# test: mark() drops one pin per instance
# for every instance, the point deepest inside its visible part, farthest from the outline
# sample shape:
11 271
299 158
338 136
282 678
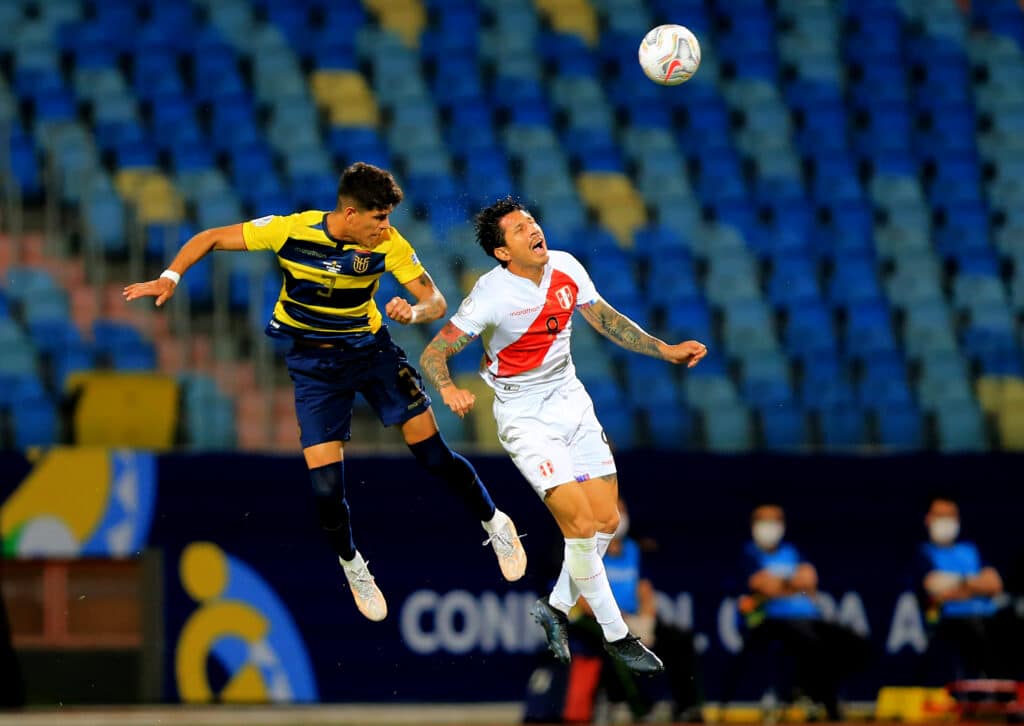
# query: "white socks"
496 522
355 563
586 570
565 593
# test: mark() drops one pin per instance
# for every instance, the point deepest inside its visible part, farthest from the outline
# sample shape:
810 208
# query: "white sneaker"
369 599
510 552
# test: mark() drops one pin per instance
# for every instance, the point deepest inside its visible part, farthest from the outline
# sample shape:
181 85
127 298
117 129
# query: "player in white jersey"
523 311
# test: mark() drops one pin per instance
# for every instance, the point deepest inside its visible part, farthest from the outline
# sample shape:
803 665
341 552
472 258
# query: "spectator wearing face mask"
779 608
961 602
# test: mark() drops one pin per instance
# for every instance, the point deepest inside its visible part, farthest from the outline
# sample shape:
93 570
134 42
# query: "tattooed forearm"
434 361
621 330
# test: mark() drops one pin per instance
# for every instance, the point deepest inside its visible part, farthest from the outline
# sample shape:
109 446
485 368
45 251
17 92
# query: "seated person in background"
780 607
635 595
959 594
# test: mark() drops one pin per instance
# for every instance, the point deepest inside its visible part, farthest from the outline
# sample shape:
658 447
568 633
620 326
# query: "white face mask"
768 533
944 530
623 528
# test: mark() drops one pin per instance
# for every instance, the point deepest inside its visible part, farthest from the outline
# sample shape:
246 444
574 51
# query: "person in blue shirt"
960 594
779 607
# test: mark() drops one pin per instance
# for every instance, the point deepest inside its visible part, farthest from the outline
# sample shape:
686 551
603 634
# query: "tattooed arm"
430 303
622 331
434 365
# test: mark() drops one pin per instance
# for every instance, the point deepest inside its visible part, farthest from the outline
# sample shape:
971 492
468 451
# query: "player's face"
525 245
365 226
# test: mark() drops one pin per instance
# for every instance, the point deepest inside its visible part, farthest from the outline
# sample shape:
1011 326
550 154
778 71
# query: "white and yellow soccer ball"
669 54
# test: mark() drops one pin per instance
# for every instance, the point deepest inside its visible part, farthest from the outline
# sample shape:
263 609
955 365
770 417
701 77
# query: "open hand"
161 288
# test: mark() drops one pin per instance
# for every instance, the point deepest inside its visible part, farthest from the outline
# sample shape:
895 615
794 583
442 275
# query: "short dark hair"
488 230
369 187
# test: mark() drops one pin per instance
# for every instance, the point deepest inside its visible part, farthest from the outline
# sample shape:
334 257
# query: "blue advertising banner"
257 609
457 632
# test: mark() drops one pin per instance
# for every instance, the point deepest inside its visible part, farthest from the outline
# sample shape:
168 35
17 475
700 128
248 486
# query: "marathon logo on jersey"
564 297
360 263
547 469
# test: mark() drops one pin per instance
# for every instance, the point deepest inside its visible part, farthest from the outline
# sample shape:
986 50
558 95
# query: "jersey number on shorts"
408 378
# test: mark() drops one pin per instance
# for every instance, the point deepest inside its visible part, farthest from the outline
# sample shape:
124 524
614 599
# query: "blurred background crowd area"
834 204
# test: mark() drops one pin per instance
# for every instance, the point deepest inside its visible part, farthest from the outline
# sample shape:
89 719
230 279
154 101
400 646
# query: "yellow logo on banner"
241 624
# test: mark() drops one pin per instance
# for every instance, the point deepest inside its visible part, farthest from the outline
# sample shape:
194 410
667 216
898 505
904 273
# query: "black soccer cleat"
635 655
556 629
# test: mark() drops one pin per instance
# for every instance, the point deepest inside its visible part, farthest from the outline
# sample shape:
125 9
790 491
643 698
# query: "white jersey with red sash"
526 327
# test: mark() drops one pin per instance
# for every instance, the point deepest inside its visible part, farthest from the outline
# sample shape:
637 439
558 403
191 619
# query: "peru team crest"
564 297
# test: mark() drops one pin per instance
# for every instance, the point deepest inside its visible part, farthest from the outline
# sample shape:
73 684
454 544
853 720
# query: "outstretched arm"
215 238
434 365
615 326
430 303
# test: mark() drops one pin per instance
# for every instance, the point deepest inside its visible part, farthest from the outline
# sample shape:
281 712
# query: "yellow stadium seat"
623 222
481 418
1010 425
128 182
158 201
404 18
136 410
1013 391
583 24
615 200
571 16
990 393
333 84
354 114
595 187
470 275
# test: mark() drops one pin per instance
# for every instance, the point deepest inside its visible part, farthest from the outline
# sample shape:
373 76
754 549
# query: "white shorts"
554 436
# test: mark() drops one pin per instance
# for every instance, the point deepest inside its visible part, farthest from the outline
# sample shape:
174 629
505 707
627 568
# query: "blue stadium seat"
728 429
843 427
901 428
671 429
690 320
35 423
784 428
960 428
620 426
809 327
854 281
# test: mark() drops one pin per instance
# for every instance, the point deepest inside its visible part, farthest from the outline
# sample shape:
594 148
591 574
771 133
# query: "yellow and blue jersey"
329 284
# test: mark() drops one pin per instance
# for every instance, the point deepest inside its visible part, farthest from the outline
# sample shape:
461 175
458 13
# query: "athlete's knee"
435 455
329 489
609 524
580 526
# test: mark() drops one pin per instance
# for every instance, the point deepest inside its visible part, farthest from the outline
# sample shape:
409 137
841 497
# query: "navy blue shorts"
327 379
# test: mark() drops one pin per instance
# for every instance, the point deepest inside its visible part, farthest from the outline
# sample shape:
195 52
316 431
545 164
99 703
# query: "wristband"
171 275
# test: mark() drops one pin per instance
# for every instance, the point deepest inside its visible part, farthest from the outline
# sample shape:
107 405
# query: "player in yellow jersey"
332 263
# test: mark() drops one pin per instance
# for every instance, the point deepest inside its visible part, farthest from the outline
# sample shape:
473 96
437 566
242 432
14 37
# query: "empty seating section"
833 203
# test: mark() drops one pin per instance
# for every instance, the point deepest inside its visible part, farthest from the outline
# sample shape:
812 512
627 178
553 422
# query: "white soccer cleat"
510 552
369 599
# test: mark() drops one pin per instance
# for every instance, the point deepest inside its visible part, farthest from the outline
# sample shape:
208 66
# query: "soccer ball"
669 54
